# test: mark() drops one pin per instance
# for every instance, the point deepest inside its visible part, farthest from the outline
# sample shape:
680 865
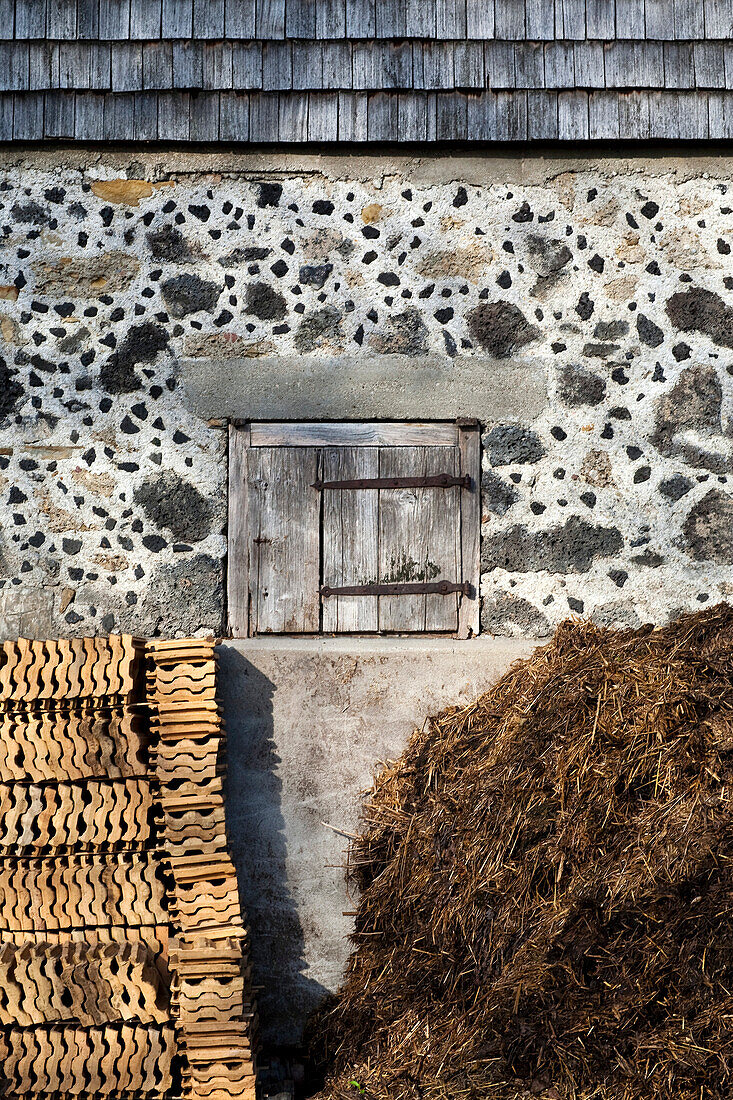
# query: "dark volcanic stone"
496 494
244 256
500 328
169 501
511 615
264 302
546 256
314 275
322 325
610 330
708 529
649 333
700 310
406 334
188 293
141 345
675 487
189 594
570 548
269 194
510 444
11 390
168 243
693 404
579 386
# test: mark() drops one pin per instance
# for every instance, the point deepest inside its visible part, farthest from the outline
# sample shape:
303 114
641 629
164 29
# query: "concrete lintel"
393 387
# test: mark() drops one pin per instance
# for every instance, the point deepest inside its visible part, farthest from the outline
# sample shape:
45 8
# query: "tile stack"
122 945
210 984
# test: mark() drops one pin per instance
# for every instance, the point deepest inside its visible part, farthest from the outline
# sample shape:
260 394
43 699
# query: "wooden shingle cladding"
365 70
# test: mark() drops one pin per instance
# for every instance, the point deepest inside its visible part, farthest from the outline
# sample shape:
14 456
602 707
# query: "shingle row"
361 117
361 66
110 20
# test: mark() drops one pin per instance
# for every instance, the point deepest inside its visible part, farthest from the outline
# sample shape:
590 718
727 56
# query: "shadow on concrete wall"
258 844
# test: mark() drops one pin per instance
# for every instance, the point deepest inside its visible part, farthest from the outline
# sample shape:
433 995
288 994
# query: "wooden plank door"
350 539
284 538
419 539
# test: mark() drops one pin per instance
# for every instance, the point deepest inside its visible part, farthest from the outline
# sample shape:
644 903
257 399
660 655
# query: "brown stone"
371 213
9 293
86 277
126 192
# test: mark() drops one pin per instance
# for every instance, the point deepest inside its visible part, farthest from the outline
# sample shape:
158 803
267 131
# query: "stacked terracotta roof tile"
122 945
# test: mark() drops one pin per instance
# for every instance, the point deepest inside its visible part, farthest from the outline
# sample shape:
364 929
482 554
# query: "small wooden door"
403 541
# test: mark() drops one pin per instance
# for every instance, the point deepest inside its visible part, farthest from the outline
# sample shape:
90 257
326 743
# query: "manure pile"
546 884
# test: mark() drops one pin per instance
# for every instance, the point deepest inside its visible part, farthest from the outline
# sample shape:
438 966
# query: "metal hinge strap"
429 481
439 588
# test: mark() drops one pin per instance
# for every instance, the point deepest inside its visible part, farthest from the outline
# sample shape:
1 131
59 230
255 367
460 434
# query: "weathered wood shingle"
357 70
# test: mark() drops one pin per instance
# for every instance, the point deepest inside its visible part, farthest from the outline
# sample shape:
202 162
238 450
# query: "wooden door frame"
465 435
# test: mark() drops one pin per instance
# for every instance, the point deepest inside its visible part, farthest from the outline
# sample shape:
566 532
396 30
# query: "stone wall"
613 275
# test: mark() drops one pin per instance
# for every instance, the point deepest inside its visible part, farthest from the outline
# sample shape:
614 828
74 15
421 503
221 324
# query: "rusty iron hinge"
439 588
429 481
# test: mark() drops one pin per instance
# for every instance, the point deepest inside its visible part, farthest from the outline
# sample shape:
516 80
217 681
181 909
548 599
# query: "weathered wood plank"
572 20
633 115
208 18
58 115
480 19
469 607
87 18
43 65
15 67
452 116
589 65
468 60
660 20
158 65
145 19
499 61
412 112
600 19
679 65
353 116
509 20
127 67
648 65
240 18
420 16
7 31
27 116
361 18
145 124
61 19
6 117
187 65
481 116
234 116
694 123
450 19
283 532
300 18
689 19
353 434
511 116
277 65
572 116
216 66
322 116
270 19
391 21
419 540
718 19
438 66
114 19
293 116
350 539
542 116
264 117
540 20
382 117
720 115
89 120
247 65
30 18
709 64
529 60
177 18
119 117
336 65
603 115
204 116
308 66
559 65
630 19
173 116
330 19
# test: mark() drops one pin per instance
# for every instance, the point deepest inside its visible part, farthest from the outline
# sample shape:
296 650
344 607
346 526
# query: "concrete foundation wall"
308 724
585 302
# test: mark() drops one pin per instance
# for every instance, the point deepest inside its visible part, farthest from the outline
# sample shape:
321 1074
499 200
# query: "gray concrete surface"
398 387
309 722
26 612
